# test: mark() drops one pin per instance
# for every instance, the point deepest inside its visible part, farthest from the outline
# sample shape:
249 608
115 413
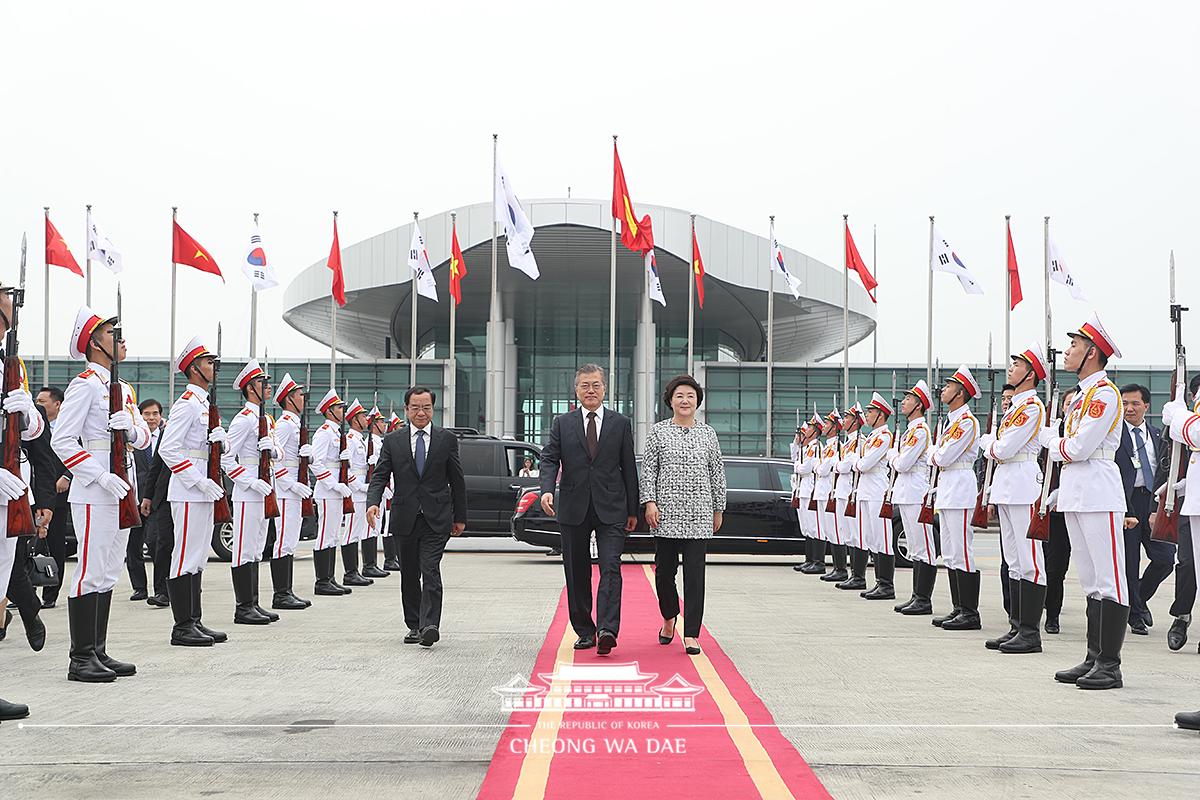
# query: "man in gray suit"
593 447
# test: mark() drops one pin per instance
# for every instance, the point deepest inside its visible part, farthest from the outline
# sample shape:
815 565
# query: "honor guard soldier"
847 529
805 475
871 468
240 462
1016 485
356 525
391 548
909 487
954 457
377 426
289 396
822 488
329 494
82 439
185 451
1092 500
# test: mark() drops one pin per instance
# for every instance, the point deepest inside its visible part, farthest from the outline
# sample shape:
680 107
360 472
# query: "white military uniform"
240 462
956 488
34 425
82 440
381 527
185 449
871 466
1185 427
846 528
328 495
910 488
805 470
826 525
287 470
1016 484
356 526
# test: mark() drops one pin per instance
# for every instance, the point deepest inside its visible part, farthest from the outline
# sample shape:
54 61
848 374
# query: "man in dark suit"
54 544
151 411
429 506
156 512
1136 458
593 447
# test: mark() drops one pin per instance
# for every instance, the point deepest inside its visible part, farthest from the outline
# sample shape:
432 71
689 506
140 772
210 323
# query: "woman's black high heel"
692 650
668 639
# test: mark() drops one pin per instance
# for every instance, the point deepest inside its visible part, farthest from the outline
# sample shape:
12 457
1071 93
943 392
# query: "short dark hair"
149 401
588 369
1008 387
420 390
682 380
55 393
1130 388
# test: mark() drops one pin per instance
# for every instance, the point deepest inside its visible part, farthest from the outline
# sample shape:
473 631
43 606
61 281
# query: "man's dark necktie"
1147 471
420 457
593 441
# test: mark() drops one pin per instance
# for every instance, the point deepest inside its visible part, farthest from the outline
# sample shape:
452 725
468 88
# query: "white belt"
98 444
196 455
958 465
1101 454
291 464
362 473
1018 458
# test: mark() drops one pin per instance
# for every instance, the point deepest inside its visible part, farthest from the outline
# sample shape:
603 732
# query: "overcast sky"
1084 111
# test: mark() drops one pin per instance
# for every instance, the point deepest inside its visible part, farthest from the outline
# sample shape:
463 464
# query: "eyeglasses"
426 409
596 386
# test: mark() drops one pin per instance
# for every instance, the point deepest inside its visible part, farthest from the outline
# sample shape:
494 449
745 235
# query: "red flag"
854 261
1014 277
458 267
187 251
335 264
57 252
698 269
635 234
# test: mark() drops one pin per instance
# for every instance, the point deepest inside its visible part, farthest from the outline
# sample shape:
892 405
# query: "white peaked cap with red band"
86 323
816 420
249 372
1094 332
376 413
963 376
1035 358
330 400
877 402
191 351
921 392
393 422
355 409
857 411
286 386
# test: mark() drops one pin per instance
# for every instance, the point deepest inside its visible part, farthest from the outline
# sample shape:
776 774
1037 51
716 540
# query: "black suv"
492 466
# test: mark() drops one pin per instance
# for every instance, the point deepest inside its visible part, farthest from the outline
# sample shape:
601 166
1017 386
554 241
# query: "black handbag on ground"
43 571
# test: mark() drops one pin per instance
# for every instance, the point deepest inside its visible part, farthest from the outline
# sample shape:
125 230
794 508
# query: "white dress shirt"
1138 481
599 421
413 438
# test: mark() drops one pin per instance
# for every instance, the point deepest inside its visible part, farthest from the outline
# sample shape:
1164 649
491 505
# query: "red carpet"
648 751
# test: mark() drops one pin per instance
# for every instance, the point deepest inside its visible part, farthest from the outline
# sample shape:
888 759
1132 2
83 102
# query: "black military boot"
1106 673
331 562
955 601
858 571
1014 616
84 666
922 604
916 580
351 576
281 597
217 636
885 579
968 594
323 569
184 633
291 575
244 612
103 607
270 615
838 573
1093 646
807 563
1029 635
391 554
370 557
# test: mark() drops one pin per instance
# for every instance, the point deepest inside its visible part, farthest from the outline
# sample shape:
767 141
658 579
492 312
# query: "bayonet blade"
24 248
1172 275
218 341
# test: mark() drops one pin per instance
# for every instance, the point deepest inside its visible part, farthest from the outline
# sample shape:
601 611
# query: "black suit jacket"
440 493
141 464
47 469
609 483
1124 459
158 480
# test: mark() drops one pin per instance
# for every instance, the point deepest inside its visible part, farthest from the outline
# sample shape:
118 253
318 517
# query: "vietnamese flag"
187 251
57 252
635 234
1014 277
697 269
854 261
458 267
335 264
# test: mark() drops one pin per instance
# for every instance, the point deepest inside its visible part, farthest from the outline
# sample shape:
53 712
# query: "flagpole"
174 283
493 343
46 301
875 275
333 307
87 254
929 322
412 331
253 306
612 298
770 331
1007 289
691 302
845 307
451 396
1046 262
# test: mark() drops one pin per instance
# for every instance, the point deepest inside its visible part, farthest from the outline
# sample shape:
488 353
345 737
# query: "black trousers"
667 552
135 558
20 591
1185 572
421 574
1161 554
55 545
577 567
1058 560
163 527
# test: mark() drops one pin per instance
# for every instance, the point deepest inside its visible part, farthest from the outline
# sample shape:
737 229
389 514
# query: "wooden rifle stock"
926 514
265 469
1039 520
1166 519
979 517
222 513
20 515
307 507
344 471
128 515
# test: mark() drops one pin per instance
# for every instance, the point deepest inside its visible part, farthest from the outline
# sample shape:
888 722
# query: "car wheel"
900 543
222 541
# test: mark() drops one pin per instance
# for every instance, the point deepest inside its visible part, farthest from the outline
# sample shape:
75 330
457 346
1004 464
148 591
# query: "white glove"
266 444
1046 436
304 490
374 459
1169 411
19 401
344 455
113 485
259 486
342 489
216 435
11 486
986 441
929 458
211 489
120 421
1179 487
305 451
1052 501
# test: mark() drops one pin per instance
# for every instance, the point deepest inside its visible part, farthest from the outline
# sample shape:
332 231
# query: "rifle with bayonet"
20 515
1166 520
344 466
128 515
266 469
928 504
979 518
1039 520
222 513
886 511
307 507
831 502
371 418
812 500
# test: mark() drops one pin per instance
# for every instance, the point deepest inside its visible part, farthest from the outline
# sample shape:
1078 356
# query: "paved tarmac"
328 702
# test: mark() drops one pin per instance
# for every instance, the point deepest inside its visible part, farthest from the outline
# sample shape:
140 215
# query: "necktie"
593 440
1147 472
420 457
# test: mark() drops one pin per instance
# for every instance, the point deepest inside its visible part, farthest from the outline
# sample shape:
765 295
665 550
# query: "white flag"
655 285
418 259
1060 272
100 247
781 268
518 233
255 266
946 260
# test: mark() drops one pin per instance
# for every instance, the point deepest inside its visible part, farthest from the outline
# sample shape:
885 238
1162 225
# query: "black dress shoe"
1187 720
391 565
605 642
1136 626
965 621
1177 634
372 571
429 636
1148 618
49 603
905 604
158 601
138 594
7 620
355 579
801 567
585 642
412 637
1051 625
35 633
20 711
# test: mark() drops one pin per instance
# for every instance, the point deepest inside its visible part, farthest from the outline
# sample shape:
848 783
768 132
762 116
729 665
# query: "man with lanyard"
290 493
356 526
822 487
847 526
82 440
328 494
871 468
908 493
1092 499
804 475
954 456
1016 486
